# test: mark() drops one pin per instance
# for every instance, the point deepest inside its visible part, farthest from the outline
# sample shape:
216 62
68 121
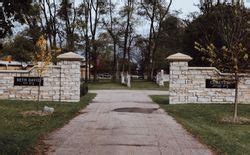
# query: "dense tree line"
218 24
108 33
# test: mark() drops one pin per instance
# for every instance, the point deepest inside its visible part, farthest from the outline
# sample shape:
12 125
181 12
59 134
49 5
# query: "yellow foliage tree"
230 54
42 59
227 59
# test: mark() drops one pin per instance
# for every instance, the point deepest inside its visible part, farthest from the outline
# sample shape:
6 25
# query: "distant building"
14 65
6 63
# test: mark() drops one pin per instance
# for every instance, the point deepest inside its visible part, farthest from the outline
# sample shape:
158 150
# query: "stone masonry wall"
188 85
71 75
61 83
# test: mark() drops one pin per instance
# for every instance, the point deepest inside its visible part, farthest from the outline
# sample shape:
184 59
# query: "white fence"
126 79
161 78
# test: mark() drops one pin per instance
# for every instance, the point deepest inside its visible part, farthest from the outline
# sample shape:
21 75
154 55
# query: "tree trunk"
38 92
89 64
95 57
87 49
93 28
117 69
152 70
86 66
123 61
114 78
154 53
87 45
129 62
150 42
236 101
95 70
126 37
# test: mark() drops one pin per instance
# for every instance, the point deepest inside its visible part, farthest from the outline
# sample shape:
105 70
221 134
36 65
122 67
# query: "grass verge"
203 121
135 85
19 134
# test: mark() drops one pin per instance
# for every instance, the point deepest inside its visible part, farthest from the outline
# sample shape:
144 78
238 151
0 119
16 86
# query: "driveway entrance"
124 122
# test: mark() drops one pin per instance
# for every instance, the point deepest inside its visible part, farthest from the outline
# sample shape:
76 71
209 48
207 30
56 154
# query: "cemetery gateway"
202 84
61 82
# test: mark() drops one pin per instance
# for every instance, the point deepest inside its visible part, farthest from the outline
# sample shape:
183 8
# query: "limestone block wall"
177 82
61 83
188 85
49 92
71 75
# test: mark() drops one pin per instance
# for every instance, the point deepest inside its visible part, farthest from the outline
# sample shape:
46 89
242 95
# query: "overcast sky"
186 6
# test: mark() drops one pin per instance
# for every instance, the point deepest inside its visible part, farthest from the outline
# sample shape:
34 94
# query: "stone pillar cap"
179 57
70 56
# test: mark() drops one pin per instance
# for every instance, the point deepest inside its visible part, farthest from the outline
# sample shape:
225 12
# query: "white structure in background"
126 79
122 78
161 78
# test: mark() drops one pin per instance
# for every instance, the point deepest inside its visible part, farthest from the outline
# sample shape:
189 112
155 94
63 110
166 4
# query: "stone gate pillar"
70 76
178 79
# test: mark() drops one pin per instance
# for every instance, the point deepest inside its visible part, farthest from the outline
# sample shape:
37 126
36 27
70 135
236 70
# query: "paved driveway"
124 122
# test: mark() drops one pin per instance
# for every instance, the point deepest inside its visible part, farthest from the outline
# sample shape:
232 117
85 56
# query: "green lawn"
203 121
135 85
19 134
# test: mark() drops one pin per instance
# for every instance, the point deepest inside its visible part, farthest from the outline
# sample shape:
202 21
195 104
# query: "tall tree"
141 45
155 11
83 13
97 8
87 42
127 12
31 18
49 21
104 43
111 24
68 13
170 40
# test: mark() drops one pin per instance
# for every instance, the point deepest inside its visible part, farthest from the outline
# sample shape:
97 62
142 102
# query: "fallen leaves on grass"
35 113
240 120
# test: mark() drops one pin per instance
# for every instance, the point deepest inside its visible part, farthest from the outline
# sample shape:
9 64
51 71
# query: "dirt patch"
240 120
136 110
41 147
35 113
